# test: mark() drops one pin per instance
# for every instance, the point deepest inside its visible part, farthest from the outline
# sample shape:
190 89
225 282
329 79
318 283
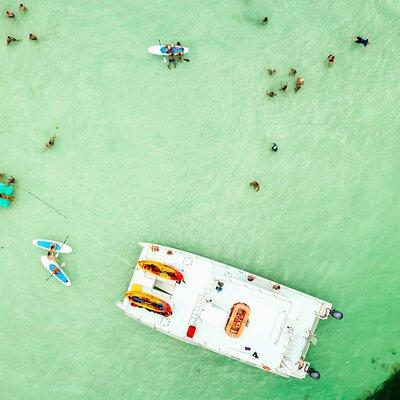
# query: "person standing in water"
255 185
283 86
9 14
299 84
50 142
292 72
331 59
265 20
10 180
11 39
180 54
170 54
22 8
274 147
32 37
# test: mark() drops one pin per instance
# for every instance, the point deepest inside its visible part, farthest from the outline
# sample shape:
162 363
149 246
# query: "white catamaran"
225 309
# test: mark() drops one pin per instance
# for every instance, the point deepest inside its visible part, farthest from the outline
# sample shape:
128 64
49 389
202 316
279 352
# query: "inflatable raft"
7 190
237 320
149 302
161 270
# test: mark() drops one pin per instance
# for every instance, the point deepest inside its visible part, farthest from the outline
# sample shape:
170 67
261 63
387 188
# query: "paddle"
164 58
62 245
54 273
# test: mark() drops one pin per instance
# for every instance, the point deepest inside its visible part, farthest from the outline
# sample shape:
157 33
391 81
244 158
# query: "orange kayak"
161 270
237 320
149 302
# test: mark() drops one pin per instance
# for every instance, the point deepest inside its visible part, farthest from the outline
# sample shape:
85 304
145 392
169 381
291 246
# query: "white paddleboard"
45 244
52 266
161 50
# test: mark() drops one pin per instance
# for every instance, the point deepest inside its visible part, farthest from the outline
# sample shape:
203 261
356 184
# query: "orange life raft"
149 302
237 320
161 270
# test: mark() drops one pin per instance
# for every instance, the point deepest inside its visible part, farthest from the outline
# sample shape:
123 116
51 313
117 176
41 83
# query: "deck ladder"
198 306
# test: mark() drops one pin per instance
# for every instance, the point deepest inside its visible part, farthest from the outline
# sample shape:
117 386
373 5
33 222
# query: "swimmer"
1 175
283 86
360 40
10 14
50 142
271 72
10 180
271 93
32 37
255 185
22 8
265 20
331 59
6 197
274 147
292 72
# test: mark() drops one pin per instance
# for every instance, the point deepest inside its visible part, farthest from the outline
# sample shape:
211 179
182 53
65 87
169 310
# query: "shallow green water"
144 153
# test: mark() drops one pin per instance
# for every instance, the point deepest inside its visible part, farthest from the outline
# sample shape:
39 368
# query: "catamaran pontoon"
225 309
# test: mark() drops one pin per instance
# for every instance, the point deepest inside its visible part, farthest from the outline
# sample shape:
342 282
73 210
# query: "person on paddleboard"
51 254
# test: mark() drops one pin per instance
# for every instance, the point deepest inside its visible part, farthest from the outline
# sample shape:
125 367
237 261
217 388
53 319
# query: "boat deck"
281 323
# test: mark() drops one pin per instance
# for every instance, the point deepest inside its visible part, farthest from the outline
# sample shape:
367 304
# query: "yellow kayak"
148 302
161 270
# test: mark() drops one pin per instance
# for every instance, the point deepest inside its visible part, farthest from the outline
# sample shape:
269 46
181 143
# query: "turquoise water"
144 153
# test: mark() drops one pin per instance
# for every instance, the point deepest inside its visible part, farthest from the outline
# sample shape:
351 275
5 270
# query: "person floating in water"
11 39
271 93
274 147
9 14
299 84
7 197
271 71
10 180
292 72
360 40
22 8
255 185
50 142
265 20
32 37
331 59
283 86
